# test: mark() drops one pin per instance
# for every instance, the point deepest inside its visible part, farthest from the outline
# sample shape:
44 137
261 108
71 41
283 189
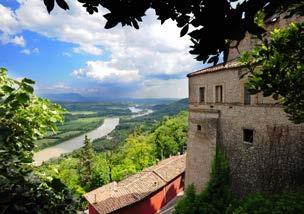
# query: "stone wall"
233 88
223 123
250 40
273 162
201 146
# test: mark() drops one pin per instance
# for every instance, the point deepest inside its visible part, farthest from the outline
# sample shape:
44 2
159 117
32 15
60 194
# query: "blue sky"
71 52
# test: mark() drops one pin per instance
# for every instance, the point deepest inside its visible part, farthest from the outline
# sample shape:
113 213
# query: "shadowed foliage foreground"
23 118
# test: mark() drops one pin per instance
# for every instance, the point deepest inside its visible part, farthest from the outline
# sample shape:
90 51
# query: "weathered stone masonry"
224 123
265 150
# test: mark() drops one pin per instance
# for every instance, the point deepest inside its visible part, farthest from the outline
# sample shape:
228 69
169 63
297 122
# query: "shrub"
217 195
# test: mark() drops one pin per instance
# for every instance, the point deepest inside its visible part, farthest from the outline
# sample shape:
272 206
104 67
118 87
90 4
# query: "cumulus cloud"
27 51
9 22
154 48
103 71
135 55
9 27
18 40
35 50
89 49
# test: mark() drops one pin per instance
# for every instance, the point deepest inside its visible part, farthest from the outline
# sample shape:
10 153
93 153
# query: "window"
199 127
247 97
202 94
219 94
248 136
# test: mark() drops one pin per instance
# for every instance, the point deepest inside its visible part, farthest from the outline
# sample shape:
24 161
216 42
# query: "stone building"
264 149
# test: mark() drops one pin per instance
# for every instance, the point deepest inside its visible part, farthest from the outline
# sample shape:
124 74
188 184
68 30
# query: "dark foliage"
216 23
217 195
276 68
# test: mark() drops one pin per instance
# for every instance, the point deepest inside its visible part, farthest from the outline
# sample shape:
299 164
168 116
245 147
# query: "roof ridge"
161 177
145 174
173 158
134 188
114 189
218 67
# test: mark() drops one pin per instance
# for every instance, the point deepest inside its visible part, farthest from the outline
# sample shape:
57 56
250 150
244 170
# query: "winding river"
138 112
68 146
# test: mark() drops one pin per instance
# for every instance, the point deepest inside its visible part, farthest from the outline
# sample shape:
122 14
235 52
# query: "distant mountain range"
75 97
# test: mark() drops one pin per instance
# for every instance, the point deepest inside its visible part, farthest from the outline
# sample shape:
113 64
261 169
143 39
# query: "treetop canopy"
216 23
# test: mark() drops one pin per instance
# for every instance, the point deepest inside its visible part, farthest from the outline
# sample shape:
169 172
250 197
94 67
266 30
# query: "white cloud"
154 48
103 71
89 49
18 40
26 51
173 88
9 23
9 27
134 54
35 50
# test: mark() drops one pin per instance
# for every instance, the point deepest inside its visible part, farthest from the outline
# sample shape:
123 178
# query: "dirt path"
68 146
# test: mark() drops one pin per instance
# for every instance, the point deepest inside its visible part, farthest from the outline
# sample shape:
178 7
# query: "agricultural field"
68 130
83 117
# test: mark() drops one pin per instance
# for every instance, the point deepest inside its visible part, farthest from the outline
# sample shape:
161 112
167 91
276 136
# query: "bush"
285 203
217 195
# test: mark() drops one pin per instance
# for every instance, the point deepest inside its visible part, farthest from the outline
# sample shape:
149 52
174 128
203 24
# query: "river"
138 112
68 146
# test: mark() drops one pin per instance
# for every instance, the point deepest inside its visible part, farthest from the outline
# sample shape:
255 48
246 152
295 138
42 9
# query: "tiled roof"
114 196
220 67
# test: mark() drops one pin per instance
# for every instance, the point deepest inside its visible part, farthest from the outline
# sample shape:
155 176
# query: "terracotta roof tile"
114 196
220 67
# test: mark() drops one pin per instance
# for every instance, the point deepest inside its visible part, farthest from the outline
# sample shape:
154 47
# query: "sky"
71 52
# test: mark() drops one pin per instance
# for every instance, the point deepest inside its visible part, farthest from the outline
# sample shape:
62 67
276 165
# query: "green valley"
136 143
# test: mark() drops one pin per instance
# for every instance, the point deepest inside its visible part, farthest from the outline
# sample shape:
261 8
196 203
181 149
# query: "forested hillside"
140 149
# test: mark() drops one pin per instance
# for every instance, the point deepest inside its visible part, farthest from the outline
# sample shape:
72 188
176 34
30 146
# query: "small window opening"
219 94
248 135
202 94
247 97
199 127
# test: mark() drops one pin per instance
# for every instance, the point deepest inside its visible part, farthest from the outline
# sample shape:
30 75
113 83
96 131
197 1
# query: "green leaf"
22 97
7 89
29 81
29 89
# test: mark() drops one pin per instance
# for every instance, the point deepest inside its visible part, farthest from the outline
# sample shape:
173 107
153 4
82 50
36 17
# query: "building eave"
216 68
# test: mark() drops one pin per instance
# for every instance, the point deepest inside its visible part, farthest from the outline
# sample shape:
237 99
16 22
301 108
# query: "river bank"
68 146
